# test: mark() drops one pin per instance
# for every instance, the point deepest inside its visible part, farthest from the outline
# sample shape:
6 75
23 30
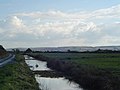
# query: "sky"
54 23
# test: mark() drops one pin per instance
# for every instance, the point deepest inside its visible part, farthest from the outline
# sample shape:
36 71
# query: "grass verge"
17 76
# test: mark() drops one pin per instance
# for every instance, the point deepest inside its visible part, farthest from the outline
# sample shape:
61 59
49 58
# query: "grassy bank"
17 76
93 71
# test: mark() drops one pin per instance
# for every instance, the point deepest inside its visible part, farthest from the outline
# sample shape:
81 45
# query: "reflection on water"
56 84
35 64
47 83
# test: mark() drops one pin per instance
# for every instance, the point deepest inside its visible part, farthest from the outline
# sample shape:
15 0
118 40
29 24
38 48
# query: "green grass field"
17 76
108 61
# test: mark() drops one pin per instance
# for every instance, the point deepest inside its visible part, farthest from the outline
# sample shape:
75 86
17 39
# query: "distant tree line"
71 51
68 51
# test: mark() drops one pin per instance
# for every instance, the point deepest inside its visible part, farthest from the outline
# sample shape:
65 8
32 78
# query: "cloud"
12 21
57 28
112 12
109 40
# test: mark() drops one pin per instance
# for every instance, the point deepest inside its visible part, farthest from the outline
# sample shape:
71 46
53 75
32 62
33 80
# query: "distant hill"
71 48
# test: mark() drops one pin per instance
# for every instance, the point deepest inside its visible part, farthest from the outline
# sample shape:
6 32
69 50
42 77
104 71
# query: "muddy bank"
51 74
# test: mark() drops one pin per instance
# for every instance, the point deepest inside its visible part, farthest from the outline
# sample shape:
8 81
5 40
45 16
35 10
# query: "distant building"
28 51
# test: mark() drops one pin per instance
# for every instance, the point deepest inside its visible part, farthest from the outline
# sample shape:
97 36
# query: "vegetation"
100 60
3 52
17 76
93 71
1 48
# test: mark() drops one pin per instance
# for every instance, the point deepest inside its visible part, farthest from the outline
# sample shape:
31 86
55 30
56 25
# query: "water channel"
48 83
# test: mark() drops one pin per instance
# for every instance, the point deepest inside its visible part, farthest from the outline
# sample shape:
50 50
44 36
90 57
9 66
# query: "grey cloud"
56 27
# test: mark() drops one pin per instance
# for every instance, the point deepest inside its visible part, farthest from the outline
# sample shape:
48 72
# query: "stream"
49 83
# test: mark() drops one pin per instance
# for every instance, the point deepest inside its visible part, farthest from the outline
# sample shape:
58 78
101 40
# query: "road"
6 60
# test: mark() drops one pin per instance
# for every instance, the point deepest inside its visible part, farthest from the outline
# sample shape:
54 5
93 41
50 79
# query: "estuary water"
48 83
